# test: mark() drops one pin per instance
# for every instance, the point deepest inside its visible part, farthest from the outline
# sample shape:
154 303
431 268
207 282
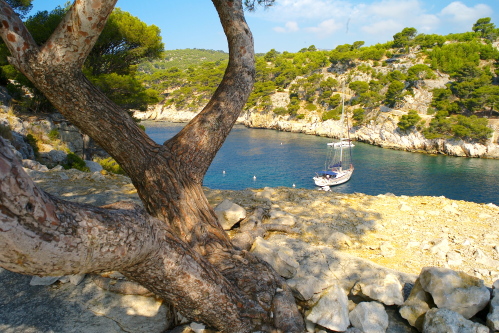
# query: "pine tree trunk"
175 247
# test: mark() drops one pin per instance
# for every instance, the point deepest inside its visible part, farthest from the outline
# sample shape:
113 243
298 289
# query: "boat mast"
342 120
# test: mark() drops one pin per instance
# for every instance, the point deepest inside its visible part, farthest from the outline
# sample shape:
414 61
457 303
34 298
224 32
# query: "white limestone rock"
455 291
93 166
484 259
34 165
416 305
445 320
405 208
369 317
43 280
281 258
308 288
440 247
454 258
280 217
229 213
493 315
197 327
331 311
386 290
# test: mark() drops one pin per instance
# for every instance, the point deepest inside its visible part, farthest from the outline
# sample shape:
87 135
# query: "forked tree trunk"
175 247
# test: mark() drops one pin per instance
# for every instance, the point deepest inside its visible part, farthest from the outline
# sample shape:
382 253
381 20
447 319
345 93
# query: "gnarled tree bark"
174 247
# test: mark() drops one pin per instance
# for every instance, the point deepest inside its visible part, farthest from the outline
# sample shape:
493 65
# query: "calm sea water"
283 159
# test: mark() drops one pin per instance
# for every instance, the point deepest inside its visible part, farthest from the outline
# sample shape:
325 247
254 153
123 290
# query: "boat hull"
341 178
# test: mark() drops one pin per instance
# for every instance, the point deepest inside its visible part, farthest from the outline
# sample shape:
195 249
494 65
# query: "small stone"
387 249
451 209
43 280
93 166
454 258
482 258
197 327
405 208
229 213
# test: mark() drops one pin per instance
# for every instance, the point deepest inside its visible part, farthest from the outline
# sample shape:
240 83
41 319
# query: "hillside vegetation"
451 78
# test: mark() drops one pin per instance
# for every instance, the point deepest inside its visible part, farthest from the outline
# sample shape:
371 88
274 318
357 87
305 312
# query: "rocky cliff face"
381 131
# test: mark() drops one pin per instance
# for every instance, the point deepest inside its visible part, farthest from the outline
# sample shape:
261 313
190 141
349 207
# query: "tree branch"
78 32
15 35
206 133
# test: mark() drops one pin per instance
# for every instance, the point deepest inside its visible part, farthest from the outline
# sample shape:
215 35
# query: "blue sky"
291 25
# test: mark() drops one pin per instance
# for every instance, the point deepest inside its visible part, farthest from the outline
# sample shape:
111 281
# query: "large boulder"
386 290
281 258
493 316
456 291
447 321
308 288
415 307
445 289
93 166
331 311
369 317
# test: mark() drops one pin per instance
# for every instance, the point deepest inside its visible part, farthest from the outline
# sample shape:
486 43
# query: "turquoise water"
283 159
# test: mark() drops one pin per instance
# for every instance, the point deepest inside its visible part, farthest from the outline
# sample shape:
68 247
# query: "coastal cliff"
381 131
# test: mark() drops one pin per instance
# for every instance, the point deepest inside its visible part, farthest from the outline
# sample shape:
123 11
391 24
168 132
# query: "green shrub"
310 107
409 120
472 128
280 110
300 116
358 116
5 132
53 134
331 114
110 165
33 142
75 162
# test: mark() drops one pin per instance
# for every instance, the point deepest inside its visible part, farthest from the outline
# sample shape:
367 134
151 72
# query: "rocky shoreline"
381 132
354 257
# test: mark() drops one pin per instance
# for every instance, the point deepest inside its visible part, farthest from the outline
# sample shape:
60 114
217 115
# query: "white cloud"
284 10
427 23
325 28
290 26
457 11
387 27
395 9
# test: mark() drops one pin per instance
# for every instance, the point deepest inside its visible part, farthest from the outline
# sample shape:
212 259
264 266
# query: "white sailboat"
338 167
